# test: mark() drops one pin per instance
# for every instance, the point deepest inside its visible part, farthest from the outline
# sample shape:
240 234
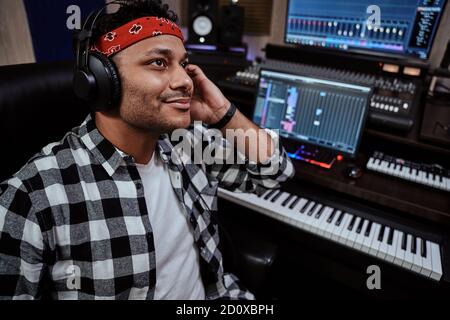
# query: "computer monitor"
321 112
406 28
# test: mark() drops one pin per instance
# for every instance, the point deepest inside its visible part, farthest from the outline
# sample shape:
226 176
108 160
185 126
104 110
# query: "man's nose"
181 80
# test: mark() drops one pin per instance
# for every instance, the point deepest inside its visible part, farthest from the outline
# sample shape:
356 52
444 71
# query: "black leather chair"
38 106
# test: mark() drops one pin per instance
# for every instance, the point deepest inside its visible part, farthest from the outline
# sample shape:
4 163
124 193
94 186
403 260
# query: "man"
112 211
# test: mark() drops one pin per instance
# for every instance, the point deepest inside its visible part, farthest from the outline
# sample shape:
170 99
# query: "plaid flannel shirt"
77 209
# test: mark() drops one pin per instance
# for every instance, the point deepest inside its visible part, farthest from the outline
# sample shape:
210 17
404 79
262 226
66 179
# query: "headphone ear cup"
108 82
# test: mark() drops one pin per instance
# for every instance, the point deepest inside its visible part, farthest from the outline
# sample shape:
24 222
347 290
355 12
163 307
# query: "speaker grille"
258 16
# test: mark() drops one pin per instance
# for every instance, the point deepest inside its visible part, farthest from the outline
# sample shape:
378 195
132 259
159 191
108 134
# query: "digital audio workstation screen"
404 27
321 112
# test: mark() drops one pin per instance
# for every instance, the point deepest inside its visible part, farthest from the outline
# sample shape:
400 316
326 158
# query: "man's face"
153 76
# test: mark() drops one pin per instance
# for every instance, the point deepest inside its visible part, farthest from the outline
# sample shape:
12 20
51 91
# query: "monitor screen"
316 111
400 27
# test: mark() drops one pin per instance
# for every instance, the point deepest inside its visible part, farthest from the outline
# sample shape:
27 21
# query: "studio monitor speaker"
203 21
232 25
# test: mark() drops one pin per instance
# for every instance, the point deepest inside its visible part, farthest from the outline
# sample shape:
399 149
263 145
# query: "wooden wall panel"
15 39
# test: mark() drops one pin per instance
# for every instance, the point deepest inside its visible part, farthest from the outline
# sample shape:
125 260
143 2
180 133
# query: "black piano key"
293 204
313 208
270 194
276 197
303 209
404 241
360 225
423 248
381 234
369 227
413 244
330 218
339 219
319 213
352 223
285 202
391 236
311 211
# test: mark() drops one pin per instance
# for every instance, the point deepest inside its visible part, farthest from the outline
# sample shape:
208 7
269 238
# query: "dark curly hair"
131 10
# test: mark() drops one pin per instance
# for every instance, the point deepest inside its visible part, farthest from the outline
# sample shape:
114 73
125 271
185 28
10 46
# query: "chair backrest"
37 107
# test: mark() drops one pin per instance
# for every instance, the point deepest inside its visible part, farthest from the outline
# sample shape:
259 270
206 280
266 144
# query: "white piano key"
336 230
427 267
368 240
375 244
343 238
437 181
331 229
400 253
308 218
353 234
409 259
324 224
414 176
436 273
383 166
371 163
397 170
286 210
447 183
428 179
296 215
329 226
405 173
390 168
433 182
423 177
315 222
344 224
393 169
282 210
442 183
390 256
417 261
281 198
382 251
360 237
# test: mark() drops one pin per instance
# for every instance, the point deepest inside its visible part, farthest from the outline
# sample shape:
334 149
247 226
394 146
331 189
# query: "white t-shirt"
177 258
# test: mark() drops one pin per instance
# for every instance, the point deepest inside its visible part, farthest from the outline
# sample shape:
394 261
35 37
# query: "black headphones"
96 78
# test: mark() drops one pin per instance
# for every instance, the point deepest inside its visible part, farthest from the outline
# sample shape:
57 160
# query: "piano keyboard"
389 244
432 176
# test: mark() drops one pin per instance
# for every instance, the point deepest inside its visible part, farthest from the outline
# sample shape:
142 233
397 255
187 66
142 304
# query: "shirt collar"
110 156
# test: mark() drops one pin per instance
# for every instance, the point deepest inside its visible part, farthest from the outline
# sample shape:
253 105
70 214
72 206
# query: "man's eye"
185 64
159 63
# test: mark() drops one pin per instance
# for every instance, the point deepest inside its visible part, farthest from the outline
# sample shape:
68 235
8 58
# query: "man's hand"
208 103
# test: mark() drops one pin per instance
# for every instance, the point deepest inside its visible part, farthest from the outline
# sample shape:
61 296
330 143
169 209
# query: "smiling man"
108 212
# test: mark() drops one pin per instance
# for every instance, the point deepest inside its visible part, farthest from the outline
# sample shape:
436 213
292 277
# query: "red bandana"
134 31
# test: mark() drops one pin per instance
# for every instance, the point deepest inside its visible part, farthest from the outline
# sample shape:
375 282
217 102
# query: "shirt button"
138 185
